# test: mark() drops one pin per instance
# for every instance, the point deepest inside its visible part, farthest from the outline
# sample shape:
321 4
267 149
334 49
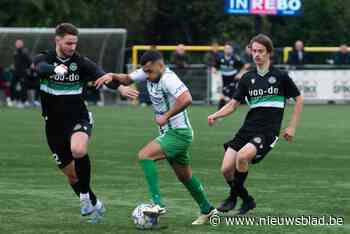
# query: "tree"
323 22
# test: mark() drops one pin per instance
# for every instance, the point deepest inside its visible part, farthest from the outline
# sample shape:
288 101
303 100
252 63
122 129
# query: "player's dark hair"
66 29
264 40
229 43
150 56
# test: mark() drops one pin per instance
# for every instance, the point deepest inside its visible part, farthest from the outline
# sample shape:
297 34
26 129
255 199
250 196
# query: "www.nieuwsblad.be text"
303 220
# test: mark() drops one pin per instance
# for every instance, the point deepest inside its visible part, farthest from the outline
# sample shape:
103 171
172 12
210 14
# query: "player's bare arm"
226 110
123 90
289 132
103 80
243 70
183 101
127 91
124 79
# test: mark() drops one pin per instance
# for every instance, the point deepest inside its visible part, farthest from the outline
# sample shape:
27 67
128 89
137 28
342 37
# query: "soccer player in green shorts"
170 98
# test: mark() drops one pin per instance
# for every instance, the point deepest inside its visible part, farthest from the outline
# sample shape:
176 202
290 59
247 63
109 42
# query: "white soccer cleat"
98 213
9 103
26 104
154 210
86 208
204 218
100 208
19 105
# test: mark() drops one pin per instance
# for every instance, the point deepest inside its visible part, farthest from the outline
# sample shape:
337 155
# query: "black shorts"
229 86
263 143
59 137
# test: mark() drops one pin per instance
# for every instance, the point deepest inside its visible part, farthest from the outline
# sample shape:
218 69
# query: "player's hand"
288 134
128 92
161 120
61 70
103 80
211 119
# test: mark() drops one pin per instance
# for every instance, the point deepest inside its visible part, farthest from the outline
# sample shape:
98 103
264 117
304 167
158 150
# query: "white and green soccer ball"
143 221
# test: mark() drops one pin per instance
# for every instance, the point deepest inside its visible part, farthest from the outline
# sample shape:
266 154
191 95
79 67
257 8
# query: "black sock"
239 180
233 192
76 189
93 197
83 170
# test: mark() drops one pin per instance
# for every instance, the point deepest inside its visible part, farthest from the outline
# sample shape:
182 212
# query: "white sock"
84 196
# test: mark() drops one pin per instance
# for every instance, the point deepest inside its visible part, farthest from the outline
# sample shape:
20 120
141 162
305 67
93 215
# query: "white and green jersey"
163 95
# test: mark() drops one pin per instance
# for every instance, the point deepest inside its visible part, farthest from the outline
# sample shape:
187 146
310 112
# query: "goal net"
103 46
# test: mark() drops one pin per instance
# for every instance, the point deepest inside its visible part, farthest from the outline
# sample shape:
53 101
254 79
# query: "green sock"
151 173
196 189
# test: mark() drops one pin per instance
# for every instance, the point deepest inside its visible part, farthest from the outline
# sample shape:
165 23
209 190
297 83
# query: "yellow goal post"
313 49
137 48
286 50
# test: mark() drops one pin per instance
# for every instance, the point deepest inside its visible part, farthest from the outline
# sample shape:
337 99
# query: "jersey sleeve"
40 58
241 91
138 75
290 89
90 70
218 62
42 67
174 85
238 63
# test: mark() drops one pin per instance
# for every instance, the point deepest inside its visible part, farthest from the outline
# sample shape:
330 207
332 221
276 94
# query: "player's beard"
69 53
159 76
66 54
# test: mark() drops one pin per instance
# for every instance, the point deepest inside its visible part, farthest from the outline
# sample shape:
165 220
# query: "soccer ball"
143 221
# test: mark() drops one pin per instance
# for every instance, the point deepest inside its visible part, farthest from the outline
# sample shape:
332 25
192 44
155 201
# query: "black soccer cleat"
228 204
247 205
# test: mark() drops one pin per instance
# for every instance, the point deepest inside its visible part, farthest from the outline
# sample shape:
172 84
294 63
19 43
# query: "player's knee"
78 151
242 162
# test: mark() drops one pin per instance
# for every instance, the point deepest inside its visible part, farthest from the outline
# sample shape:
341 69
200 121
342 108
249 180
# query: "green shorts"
176 143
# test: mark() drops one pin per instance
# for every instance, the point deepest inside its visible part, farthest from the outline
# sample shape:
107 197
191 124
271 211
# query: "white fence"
323 85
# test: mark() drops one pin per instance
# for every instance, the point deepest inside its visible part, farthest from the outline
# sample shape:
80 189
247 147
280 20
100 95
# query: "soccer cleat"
204 218
247 205
228 204
26 104
9 102
154 210
20 105
100 208
98 213
86 208
36 104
